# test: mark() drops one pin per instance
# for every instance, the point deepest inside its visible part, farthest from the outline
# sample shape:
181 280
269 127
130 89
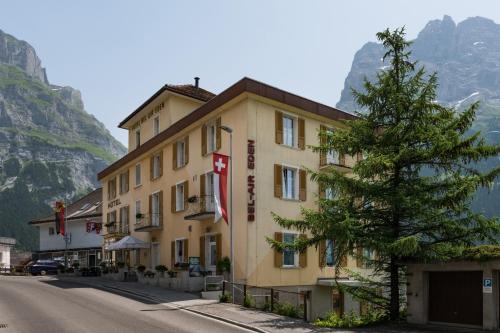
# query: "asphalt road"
34 304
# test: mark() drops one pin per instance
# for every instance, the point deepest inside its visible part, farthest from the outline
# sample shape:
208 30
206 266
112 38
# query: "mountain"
50 147
466 57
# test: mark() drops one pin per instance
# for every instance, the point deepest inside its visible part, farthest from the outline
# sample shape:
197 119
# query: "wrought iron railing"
200 204
149 221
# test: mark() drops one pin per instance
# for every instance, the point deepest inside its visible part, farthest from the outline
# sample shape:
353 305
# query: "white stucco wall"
80 238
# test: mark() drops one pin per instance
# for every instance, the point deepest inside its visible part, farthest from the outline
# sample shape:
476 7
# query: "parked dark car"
43 267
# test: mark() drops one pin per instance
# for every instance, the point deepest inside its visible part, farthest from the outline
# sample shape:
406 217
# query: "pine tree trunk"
394 304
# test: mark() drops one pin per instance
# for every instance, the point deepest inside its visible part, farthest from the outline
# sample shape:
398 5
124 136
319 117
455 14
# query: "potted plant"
161 269
224 267
141 269
172 274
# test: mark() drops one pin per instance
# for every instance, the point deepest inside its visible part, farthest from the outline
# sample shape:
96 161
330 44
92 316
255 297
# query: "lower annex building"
161 191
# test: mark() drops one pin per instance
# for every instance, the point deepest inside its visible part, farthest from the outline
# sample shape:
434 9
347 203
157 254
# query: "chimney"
196 81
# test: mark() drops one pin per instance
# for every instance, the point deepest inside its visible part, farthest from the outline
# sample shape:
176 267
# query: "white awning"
128 242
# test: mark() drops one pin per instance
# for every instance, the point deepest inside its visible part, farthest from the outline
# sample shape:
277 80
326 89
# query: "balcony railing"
117 228
200 207
149 222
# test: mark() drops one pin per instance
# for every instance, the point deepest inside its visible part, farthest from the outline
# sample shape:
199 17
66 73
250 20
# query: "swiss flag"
220 185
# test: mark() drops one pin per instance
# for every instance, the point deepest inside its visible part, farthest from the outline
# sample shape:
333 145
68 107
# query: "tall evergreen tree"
408 198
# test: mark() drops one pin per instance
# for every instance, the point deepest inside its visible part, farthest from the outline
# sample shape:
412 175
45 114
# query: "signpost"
487 285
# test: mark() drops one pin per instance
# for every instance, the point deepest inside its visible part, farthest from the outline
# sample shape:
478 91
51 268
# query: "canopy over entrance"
127 243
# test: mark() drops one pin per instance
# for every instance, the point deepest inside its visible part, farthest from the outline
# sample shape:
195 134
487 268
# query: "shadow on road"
72 285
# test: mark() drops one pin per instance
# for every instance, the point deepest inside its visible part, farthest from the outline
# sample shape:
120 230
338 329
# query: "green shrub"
286 309
141 268
225 298
224 265
161 268
248 301
266 306
351 319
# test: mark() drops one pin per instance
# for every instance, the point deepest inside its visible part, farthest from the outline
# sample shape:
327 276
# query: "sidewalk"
257 321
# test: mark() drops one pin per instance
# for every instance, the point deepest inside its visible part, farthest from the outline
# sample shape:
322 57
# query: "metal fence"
283 302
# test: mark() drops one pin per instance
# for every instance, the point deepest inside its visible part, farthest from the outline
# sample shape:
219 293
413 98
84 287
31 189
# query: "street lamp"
230 131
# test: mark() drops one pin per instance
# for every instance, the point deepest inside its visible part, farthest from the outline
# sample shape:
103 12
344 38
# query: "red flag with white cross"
220 163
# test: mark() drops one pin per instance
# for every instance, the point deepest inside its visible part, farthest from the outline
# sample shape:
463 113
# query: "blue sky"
118 53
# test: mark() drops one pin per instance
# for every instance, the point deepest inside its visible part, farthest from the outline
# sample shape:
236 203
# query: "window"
181 152
124 212
212 250
124 182
137 138
112 189
209 189
330 193
137 174
156 125
156 169
179 197
211 137
329 254
155 209
137 211
332 156
289 131
368 255
179 251
289 256
51 230
289 183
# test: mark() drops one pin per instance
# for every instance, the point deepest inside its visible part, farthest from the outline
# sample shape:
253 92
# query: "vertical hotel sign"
251 181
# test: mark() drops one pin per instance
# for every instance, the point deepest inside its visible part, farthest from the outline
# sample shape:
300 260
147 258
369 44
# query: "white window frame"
211 137
294 131
156 125
296 253
332 156
155 209
124 224
181 153
208 252
209 191
156 166
330 193
138 175
179 258
137 137
179 199
123 176
295 172
137 210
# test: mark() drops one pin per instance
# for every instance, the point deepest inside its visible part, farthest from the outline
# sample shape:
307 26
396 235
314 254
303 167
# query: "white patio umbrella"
128 243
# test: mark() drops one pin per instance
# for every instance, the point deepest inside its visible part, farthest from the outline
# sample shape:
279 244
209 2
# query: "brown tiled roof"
87 206
188 90
191 91
244 85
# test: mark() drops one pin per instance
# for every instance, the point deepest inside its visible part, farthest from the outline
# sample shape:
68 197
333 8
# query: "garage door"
456 297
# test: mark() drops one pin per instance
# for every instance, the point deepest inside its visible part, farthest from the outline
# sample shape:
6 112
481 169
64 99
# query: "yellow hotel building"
162 190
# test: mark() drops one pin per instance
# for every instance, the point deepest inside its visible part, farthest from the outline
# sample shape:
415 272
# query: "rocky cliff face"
50 147
466 57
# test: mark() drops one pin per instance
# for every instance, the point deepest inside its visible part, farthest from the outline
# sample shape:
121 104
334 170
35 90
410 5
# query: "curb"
201 313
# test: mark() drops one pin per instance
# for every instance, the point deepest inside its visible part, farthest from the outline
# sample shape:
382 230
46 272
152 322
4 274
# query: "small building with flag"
79 224
169 191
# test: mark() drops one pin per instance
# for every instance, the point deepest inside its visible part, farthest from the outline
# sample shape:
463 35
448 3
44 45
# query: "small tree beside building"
409 195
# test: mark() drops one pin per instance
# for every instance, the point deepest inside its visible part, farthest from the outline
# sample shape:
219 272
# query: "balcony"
147 223
200 208
116 229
